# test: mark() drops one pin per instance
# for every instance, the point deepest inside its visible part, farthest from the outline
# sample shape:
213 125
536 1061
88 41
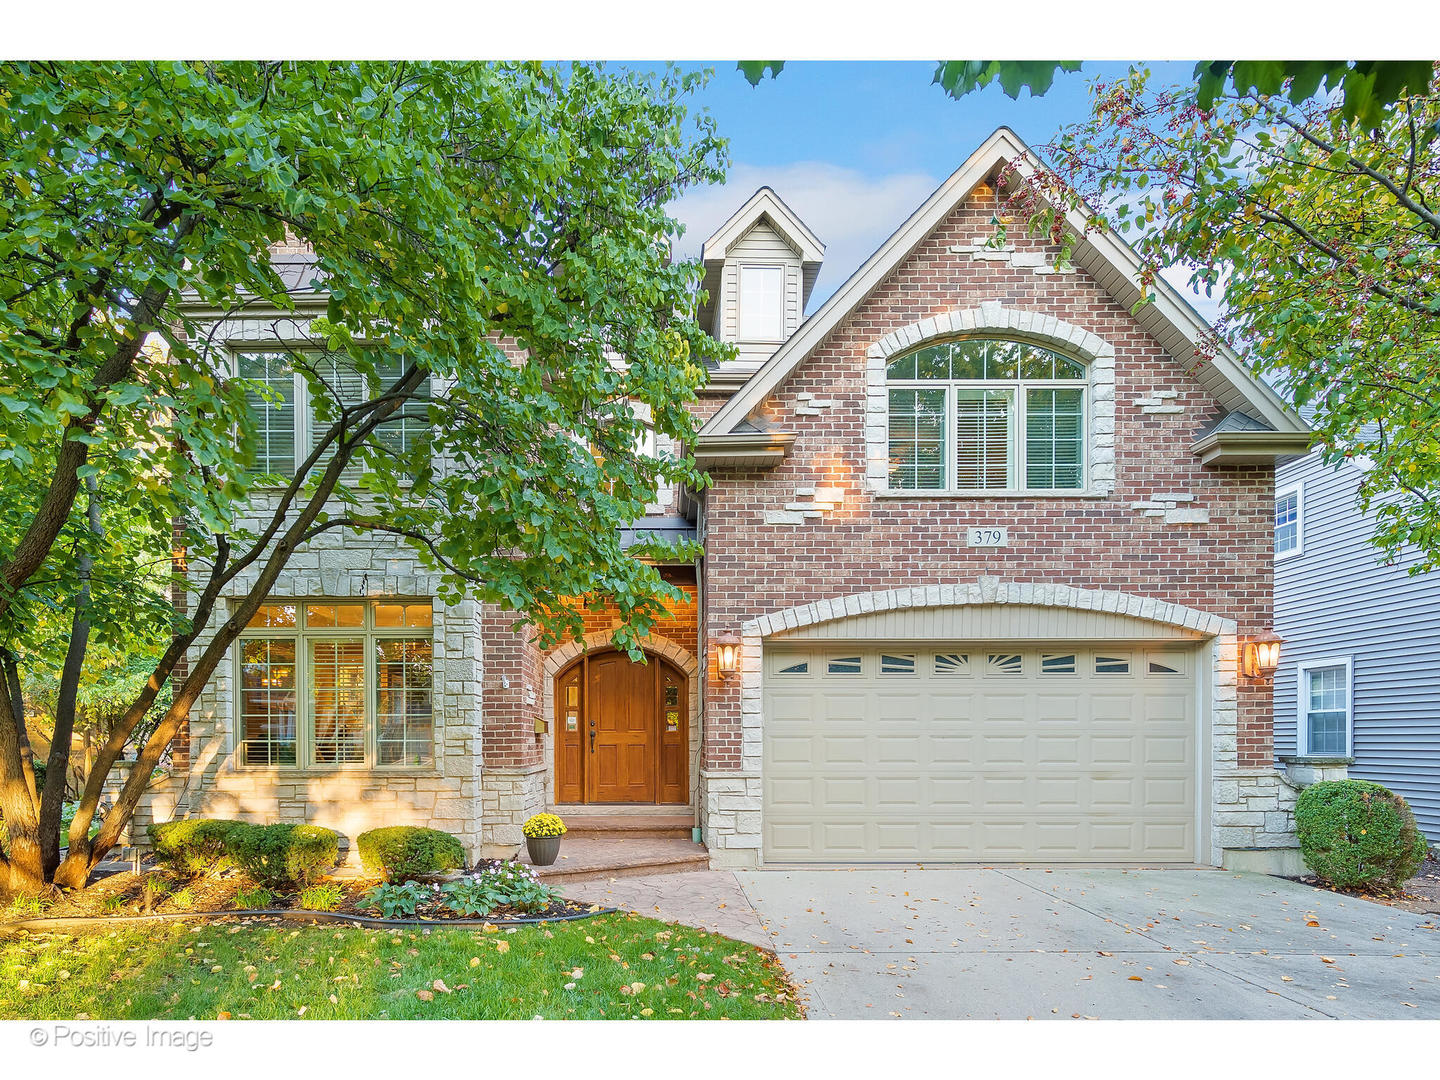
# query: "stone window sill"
1315 759
897 493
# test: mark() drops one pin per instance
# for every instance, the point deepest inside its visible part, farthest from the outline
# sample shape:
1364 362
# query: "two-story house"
984 550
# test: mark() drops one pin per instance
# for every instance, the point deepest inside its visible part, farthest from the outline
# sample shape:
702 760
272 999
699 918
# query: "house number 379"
988 536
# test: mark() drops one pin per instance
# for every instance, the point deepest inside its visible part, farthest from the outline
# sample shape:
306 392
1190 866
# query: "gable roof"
1111 262
764 204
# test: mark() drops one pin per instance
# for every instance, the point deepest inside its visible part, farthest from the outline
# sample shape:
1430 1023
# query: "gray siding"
1335 600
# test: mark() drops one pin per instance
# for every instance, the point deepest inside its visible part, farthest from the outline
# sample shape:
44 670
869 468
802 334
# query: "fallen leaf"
424 995
1136 978
502 946
439 984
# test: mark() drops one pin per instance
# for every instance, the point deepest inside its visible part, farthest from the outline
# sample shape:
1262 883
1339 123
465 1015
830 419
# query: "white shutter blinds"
272 411
983 420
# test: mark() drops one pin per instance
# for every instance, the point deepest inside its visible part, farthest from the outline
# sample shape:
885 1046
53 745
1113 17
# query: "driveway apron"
999 943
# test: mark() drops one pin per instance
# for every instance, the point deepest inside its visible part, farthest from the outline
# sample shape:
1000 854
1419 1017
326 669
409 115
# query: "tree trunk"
23 867
57 766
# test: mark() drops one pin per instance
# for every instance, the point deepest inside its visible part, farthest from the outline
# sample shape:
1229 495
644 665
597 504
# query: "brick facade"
1216 561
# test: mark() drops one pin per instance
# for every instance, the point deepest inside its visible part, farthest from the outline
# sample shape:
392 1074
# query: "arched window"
987 415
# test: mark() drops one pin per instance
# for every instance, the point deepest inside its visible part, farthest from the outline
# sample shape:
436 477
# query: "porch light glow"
1262 656
727 653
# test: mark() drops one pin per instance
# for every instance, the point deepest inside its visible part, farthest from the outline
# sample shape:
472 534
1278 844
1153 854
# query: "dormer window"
762 313
987 415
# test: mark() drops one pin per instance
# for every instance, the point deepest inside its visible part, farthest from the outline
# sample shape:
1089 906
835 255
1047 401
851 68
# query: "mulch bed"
128 895
1421 894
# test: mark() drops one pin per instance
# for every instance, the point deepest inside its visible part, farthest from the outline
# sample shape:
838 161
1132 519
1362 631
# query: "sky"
855 147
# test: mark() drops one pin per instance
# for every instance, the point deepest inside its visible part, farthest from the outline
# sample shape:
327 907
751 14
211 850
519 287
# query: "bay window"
337 683
987 415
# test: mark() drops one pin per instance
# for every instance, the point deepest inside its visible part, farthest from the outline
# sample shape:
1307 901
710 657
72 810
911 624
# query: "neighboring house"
982 548
1359 677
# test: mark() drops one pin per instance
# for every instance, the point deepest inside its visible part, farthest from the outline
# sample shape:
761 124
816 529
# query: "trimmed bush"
283 856
190 847
404 852
1358 834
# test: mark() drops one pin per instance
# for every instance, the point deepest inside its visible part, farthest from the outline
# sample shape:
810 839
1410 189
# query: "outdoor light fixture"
1261 656
727 653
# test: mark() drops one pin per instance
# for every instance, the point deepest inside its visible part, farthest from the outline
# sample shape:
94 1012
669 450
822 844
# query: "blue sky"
855 147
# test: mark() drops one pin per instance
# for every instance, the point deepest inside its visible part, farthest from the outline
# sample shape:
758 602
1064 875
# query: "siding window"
1324 697
1289 521
762 312
337 684
1016 417
272 407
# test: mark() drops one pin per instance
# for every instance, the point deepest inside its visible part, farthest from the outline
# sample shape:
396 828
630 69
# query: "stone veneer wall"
209 782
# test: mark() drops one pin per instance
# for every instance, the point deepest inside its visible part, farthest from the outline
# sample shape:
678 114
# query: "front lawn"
609 967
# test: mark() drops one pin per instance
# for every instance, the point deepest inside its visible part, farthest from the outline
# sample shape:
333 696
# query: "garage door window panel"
1017 417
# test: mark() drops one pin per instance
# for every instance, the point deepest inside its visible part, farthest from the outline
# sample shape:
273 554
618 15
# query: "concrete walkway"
1061 944
710 899
1109 944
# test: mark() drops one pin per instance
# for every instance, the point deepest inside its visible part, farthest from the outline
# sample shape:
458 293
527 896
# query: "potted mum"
542 837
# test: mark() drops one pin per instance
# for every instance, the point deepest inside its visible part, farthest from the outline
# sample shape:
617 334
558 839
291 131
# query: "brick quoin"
1222 567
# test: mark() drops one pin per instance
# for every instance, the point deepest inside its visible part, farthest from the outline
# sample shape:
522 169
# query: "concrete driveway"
1108 944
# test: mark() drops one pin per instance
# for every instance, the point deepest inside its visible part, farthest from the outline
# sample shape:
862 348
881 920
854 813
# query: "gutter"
745 450
1250 447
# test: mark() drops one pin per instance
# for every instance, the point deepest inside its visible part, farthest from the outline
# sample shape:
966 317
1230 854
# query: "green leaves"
959 77
755 70
1368 87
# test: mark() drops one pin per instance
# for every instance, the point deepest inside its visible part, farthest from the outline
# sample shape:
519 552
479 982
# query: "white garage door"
979 753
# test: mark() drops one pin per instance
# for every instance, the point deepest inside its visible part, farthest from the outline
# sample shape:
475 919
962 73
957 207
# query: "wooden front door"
620 732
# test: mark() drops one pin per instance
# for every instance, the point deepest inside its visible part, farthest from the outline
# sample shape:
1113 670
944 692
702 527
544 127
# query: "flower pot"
543 849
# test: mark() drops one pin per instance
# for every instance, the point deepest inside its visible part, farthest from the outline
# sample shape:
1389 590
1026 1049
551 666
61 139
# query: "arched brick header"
560 658
992 317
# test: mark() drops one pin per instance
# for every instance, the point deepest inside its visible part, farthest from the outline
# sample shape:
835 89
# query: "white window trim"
1302 703
1017 441
1298 489
740 303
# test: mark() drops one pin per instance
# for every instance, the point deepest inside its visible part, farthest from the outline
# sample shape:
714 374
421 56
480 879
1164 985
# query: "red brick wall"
751 568
682 624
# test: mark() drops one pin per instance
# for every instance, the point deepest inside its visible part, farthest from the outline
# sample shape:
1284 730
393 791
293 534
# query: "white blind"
1054 434
272 413
983 457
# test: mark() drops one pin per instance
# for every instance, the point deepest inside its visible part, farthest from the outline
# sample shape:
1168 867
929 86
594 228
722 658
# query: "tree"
1366 87
1325 234
491 240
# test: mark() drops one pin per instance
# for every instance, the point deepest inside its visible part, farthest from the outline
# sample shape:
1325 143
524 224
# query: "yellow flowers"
541 825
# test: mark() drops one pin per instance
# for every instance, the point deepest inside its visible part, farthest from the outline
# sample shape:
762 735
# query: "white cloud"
851 213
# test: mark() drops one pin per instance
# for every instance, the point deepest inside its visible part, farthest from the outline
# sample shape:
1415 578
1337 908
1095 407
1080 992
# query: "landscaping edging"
97 922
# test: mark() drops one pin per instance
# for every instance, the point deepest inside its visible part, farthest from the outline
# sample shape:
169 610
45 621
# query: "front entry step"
589 858
605 823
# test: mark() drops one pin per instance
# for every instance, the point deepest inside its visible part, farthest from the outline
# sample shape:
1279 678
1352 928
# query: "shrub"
395 901
404 852
283 856
254 899
192 846
1354 833
321 897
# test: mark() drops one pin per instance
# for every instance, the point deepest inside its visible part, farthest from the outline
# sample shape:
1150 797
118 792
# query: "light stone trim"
983 249
992 317
1246 808
1159 403
1173 507
563 656
807 404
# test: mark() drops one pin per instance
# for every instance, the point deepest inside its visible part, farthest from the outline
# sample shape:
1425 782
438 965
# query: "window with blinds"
1015 416
335 683
272 410
289 411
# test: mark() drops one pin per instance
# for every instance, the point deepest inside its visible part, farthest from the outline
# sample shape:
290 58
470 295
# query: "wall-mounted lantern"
727 653
1261 656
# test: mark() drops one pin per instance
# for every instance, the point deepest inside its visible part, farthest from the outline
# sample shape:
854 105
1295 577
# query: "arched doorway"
621 731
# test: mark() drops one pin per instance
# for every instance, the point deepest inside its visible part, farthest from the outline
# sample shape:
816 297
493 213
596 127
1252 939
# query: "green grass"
269 970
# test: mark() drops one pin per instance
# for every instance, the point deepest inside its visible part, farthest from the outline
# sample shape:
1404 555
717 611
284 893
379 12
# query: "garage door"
979 753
